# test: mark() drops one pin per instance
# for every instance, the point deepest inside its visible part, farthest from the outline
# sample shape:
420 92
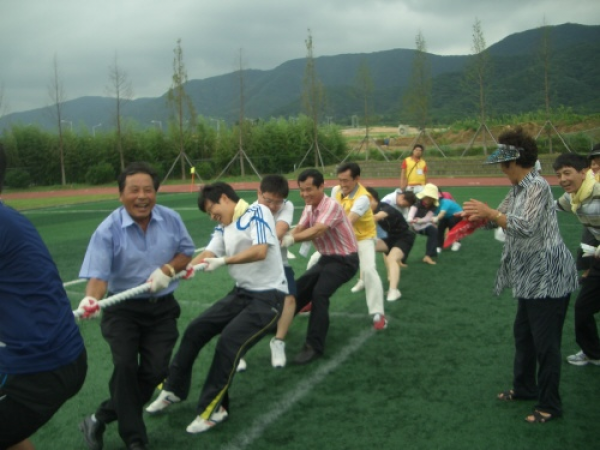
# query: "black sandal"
538 417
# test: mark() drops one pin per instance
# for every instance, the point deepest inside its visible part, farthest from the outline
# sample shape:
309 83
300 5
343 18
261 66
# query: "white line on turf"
305 387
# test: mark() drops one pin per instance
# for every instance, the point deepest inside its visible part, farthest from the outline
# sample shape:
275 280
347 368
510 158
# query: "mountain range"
515 85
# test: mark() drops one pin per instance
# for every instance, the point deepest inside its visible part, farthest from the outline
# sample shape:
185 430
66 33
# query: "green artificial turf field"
429 381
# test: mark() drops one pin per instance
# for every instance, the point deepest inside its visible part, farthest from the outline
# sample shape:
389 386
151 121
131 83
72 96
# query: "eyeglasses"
271 201
208 208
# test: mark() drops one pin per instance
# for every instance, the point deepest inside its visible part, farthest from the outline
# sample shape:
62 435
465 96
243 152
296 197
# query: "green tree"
545 57
478 73
121 90
365 87
242 119
181 103
56 92
418 95
313 97
480 68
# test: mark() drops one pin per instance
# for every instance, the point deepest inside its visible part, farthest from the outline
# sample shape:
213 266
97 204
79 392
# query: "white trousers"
368 271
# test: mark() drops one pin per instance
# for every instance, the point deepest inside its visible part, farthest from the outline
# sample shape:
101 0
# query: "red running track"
250 185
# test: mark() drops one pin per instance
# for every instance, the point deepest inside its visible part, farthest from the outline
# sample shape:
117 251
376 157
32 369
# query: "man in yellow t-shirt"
413 175
356 202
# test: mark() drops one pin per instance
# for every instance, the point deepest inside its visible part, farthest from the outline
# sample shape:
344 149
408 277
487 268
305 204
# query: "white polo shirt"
256 226
390 199
285 214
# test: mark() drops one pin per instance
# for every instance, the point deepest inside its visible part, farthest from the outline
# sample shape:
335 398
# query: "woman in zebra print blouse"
538 267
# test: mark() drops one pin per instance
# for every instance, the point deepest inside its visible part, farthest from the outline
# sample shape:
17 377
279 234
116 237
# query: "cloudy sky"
85 36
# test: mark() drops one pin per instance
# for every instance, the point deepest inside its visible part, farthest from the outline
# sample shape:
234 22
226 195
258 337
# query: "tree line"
274 146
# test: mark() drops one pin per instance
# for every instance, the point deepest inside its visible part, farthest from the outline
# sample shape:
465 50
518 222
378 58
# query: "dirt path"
250 185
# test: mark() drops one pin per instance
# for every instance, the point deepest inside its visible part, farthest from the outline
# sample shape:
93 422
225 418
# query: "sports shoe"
455 246
137 446
306 355
277 353
359 286
219 415
439 250
242 366
306 310
379 322
393 295
162 402
200 425
581 359
92 430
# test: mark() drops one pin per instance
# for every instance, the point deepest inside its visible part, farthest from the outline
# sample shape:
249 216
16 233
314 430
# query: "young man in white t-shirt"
246 242
272 193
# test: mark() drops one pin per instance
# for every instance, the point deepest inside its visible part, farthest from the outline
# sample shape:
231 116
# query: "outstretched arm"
308 234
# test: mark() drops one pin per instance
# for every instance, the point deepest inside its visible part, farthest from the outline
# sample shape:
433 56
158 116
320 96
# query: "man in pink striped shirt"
324 223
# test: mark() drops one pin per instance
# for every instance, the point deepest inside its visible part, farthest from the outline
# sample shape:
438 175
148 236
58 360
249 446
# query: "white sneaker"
162 402
358 287
200 425
219 415
242 366
439 250
455 246
278 358
581 359
393 295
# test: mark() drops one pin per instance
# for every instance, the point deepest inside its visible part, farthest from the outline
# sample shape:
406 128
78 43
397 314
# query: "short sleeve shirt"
256 226
339 238
286 215
123 255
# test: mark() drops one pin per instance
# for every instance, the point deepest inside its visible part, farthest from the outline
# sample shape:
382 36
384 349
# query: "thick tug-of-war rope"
129 293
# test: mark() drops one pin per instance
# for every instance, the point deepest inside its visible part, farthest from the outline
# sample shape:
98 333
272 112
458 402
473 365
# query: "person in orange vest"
413 175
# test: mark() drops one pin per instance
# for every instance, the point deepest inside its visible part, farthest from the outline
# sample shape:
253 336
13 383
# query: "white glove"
435 219
590 250
89 308
499 234
213 263
287 240
189 272
159 280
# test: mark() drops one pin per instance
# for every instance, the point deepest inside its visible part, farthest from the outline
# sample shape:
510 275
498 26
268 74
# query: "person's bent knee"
396 254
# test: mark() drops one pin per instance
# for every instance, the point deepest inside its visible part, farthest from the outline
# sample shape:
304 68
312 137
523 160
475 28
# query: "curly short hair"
520 139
